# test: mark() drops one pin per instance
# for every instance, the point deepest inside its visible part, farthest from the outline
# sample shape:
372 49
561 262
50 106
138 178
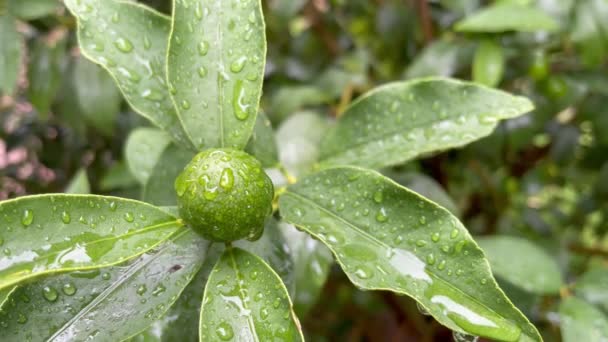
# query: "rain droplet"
238 101
69 289
224 331
202 72
435 237
106 276
203 48
430 259
124 45
238 65
363 272
147 43
49 293
65 217
185 104
227 179
142 289
21 318
381 216
159 289
129 217
454 233
378 197
27 217
113 206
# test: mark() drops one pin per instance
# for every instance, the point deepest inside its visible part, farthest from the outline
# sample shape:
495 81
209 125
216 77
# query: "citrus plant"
206 252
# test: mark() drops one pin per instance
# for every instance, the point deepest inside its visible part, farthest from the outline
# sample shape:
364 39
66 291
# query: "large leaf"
245 300
53 233
143 149
108 304
130 41
79 183
217 54
580 321
312 263
386 237
100 99
159 189
10 54
522 263
400 121
593 285
507 17
262 144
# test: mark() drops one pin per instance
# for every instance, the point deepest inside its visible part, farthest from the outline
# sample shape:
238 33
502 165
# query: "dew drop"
124 45
378 197
49 293
224 331
27 217
106 276
363 272
65 217
238 101
21 319
69 289
420 243
238 65
381 216
227 179
264 313
141 289
430 259
203 48
113 206
454 233
202 72
147 43
435 237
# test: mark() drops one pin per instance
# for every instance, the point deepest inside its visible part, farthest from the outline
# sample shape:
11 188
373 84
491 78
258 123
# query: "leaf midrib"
238 283
111 289
374 239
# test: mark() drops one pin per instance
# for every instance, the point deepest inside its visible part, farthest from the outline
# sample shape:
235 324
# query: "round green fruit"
224 195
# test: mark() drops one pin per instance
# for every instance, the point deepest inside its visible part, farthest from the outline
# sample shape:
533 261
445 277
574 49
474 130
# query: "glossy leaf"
488 64
507 17
159 189
10 54
262 144
111 34
312 264
5 295
46 65
522 263
79 183
217 54
401 121
99 101
386 237
117 177
32 9
143 149
54 233
246 301
426 187
299 139
592 286
108 304
580 321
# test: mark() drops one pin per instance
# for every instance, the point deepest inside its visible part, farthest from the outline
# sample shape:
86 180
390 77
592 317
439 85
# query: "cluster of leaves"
533 193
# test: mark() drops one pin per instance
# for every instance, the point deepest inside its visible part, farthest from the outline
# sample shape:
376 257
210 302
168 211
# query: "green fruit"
224 195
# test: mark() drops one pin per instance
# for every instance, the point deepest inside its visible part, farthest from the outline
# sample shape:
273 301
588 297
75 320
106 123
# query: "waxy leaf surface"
507 17
217 54
143 150
387 237
581 321
245 300
401 121
54 233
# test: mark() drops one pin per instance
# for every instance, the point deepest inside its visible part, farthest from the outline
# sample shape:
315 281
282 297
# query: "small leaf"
592 286
133 49
32 9
217 54
488 64
401 121
108 304
522 263
117 177
56 233
312 263
46 66
580 321
143 149
442 57
262 143
507 17
100 100
386 237
79 184
159 190
246 301
299 139
10 54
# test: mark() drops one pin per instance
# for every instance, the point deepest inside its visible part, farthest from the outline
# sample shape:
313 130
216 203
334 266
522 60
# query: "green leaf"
5 295
442 57
312 263
100 99
580 321
117 177
262 144
79 184
217 54
159 189
401 121
522 263
426 187
10 54
55 233
46 66
592 286
108 304
143 149
32 9
133 50
246 301
488 64
299 139
507 17
386 237
590 31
